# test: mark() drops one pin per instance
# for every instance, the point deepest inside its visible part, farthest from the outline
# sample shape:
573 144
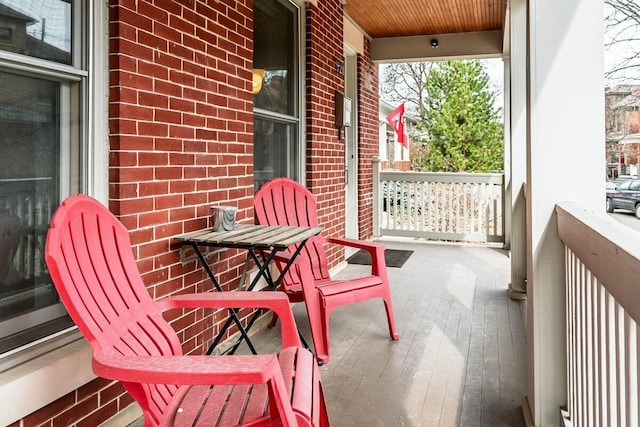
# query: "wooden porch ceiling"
403 29
383 18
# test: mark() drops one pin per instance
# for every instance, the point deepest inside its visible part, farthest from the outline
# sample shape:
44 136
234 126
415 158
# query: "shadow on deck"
460 360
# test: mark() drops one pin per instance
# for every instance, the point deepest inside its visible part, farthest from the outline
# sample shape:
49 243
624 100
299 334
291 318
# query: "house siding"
180 134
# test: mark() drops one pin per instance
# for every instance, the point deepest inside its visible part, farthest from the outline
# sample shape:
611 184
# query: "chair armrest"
183 370
378 264
371 247
284 257
275 301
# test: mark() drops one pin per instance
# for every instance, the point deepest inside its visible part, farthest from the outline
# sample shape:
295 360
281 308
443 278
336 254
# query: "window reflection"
38 28
273 95
274 150
29 190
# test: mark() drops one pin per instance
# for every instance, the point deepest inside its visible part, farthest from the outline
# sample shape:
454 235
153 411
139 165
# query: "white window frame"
55 366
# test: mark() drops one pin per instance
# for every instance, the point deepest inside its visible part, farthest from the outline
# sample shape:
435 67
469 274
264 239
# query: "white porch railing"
602 261
439 206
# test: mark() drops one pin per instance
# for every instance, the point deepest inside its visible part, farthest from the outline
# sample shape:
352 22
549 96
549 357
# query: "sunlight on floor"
461 284
435 395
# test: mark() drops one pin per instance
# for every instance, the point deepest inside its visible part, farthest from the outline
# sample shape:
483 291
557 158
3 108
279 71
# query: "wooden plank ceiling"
397 18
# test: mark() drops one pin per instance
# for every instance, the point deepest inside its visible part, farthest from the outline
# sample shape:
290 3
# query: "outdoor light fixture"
434 43
258 76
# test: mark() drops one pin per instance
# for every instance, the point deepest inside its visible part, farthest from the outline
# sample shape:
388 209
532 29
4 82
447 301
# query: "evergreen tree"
462 125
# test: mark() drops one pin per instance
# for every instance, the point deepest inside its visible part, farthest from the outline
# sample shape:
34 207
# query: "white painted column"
565 152
517 86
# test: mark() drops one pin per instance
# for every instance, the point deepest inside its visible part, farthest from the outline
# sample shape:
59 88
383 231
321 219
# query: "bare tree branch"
622 31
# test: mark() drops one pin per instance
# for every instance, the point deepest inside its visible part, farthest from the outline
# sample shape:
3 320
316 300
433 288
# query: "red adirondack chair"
283 201
90 260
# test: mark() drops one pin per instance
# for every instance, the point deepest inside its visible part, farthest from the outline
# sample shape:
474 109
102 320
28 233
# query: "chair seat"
247 404
335 287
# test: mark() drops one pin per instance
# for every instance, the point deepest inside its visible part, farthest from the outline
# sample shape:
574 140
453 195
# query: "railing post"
506 215
376 196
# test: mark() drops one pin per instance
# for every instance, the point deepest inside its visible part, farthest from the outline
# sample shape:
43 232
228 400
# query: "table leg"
255 317
233 314
263 270
273 285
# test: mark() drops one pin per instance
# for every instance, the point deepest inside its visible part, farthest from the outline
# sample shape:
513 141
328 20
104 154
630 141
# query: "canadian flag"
396 120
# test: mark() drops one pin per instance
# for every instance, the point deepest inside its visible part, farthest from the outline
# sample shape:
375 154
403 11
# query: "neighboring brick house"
153 111
622 118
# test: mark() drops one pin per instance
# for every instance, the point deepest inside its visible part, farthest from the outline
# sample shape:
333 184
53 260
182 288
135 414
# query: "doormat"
393 257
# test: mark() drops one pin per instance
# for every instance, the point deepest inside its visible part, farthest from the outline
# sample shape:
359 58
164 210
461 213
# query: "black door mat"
393 257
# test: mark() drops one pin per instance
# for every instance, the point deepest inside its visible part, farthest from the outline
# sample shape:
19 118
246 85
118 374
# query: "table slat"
251 236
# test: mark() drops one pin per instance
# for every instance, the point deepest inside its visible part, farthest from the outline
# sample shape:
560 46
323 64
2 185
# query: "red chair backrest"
283 201
91 263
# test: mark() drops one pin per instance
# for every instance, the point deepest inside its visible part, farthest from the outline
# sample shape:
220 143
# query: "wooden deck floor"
460 360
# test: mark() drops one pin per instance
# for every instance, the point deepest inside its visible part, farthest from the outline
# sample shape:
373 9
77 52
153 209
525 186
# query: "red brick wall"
181 123
368 139
325 153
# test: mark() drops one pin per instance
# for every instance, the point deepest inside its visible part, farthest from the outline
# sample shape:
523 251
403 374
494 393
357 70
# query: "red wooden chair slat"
283 201
89 257
236 401
196 396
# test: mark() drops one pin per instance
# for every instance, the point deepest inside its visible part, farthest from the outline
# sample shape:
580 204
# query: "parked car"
626 196
622 178
610 185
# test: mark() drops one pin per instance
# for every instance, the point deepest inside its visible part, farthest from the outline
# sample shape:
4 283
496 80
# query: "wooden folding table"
262 243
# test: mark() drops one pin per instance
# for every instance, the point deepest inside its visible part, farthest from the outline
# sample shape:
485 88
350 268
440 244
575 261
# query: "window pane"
39 28
273 96
275 150
30 177
274 55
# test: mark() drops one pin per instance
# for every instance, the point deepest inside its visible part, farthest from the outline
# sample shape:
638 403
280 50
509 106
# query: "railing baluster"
621 365
430 209
570 291
465 210
592 363
448 222
580 347
612 359
437 208
595 365
636 388
631 409
423 207
602 355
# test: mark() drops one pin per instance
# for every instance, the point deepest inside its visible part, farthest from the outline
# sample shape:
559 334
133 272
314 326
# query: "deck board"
460 360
